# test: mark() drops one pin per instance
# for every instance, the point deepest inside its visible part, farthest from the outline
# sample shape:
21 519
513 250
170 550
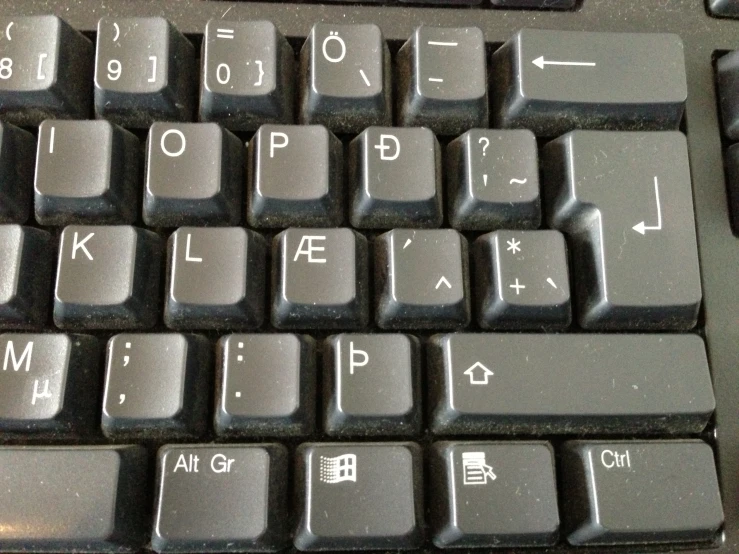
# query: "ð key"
364 496
86 172
194 175
319 279
221 498
48 383
73 499
395 174
144 72
519 383
248 405
215 278
107 278
642 492
16 173
555 81
247 78
421 279
26 265
493 494
155 386
345 74
45 70
625 201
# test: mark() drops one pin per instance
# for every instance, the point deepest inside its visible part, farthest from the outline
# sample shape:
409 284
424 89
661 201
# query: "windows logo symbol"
338 469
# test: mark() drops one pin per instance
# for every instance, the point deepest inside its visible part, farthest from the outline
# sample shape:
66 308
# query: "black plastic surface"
703 37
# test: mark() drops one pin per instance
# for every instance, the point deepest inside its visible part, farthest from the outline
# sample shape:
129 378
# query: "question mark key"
494 180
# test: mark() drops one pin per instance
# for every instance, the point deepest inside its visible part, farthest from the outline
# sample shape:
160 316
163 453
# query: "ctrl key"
640 492
80 499
219 498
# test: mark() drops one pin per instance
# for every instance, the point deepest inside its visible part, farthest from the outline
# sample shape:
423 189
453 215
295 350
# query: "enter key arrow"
642 227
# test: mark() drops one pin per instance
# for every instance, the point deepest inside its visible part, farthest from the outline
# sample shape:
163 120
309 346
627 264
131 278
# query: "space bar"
587 384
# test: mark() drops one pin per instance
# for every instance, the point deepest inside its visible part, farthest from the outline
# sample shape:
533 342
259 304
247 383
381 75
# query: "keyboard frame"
704 37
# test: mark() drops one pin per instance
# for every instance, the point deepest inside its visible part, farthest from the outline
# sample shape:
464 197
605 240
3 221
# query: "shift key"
639 492
555 81
500 383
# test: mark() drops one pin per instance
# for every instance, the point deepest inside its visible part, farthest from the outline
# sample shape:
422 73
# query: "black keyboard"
379 276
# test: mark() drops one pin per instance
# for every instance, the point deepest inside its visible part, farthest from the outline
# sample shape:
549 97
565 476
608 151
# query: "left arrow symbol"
444 281
540 62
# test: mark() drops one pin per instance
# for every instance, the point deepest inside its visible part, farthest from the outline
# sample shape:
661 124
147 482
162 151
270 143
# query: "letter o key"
173 153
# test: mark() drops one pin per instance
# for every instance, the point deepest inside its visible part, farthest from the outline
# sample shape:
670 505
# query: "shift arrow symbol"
540 62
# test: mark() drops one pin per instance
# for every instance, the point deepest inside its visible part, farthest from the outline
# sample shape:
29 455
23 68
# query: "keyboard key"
727 69
107 278
156 385
45 70
295 177
247 80
319 279
345 78
194 175
395 175
144 72
386 365
48 383
26 263
17 149
359 496
640 492
522 280
86 172
724 8
216 278
732 184
541 4
493 180
555 81
220 498
625 200
88 498
442 80
477 482
518 383
248 405
421 279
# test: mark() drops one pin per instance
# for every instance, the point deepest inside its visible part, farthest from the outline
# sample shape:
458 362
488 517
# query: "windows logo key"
338 469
